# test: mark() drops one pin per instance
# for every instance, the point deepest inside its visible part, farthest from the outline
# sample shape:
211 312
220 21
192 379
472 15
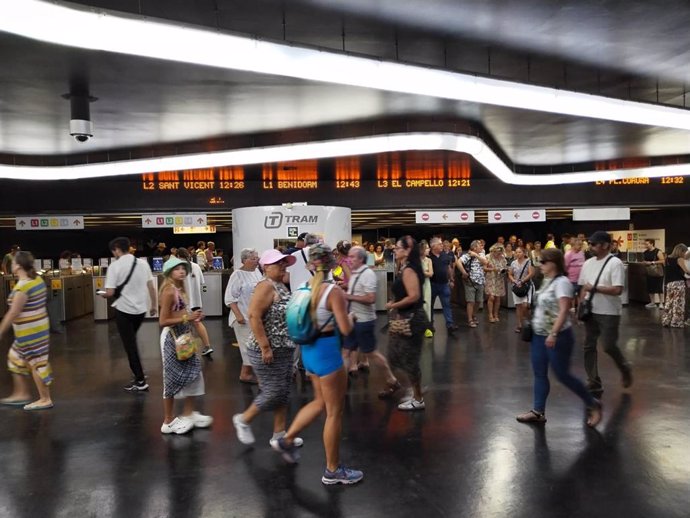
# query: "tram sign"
444 216
517 216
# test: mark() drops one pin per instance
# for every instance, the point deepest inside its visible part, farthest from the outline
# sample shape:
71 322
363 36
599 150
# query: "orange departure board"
418 169
635 163
398 170
348 173
195 179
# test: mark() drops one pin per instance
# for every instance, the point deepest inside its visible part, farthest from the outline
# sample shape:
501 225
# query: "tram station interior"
163 120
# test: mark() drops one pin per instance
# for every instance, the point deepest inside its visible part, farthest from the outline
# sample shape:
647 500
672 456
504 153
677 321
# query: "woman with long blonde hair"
324 361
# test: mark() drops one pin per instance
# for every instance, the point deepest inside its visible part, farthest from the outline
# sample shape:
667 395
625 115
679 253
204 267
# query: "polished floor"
100 453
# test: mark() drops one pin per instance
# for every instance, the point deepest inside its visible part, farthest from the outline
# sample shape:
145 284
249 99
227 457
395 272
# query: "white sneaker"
412 404
244 431
201 420
661 306
651 305
179 426
298 442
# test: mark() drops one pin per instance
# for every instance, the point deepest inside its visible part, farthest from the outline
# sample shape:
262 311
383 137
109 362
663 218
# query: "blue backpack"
300 326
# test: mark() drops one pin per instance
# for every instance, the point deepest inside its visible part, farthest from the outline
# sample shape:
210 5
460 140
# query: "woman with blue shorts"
324 361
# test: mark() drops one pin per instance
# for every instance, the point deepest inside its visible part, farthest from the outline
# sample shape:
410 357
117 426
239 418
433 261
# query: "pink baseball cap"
272 256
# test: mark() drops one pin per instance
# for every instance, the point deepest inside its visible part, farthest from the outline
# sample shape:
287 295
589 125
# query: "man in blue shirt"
442 281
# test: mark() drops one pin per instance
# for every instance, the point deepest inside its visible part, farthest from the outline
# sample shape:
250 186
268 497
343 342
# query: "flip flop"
31 408
14 402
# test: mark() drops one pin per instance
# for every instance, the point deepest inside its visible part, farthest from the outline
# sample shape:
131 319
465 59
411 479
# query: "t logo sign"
273 220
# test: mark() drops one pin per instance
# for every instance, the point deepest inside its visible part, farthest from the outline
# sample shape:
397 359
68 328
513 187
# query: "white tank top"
322 312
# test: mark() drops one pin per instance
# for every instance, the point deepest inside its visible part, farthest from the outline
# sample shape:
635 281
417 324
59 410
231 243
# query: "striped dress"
31 332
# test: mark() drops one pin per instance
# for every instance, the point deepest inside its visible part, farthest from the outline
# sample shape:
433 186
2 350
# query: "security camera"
80 125
80 129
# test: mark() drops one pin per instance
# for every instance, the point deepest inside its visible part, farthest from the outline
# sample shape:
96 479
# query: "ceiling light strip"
96 29
471 145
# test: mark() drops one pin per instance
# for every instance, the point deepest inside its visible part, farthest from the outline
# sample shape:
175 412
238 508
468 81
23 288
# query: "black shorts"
362 338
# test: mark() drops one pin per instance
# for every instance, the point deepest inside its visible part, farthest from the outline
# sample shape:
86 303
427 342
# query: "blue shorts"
576 289
362 337
323 356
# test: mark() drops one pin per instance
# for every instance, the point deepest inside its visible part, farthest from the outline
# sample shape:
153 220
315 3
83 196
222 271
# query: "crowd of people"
552 288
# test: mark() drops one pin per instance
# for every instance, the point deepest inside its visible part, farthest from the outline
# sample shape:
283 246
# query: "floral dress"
495 281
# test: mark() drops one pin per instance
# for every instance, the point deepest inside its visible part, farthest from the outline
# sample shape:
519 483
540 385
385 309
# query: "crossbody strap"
594 288
523 270
129 276
304 256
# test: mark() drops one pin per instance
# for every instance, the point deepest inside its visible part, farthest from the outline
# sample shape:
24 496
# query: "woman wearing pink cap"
269 348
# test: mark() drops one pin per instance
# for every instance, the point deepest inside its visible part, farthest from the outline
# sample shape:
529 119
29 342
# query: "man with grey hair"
361 297
471 265
442 280
299 272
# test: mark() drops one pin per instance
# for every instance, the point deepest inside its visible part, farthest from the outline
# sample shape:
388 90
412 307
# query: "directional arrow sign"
444 216
516 216
49 222
172 220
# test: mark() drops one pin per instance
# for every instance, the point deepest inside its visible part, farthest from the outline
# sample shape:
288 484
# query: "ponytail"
315 285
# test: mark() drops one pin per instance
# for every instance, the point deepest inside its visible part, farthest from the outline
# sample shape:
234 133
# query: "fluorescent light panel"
95 29
471 145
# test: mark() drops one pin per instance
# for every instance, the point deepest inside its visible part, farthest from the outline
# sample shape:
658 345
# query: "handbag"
186 345
399 325
655 270
584 309
523 289
526 332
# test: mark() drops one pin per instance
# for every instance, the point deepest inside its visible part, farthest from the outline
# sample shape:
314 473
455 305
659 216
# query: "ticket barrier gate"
102 309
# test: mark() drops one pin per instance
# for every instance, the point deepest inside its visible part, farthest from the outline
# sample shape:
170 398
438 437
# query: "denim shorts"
323 356
362 337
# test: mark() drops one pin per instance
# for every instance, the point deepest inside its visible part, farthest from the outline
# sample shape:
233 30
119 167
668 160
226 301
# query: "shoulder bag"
523 289
399 324
118 289
656 269
584 310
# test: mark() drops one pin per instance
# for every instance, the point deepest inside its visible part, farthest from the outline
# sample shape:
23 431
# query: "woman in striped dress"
28 355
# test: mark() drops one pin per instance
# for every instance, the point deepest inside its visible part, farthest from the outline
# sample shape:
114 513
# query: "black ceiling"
630 50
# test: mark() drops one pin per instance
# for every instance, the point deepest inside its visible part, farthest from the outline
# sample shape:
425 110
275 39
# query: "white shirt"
364 282
134 299
201 258
613 275
547 308
192 285
299 274
239 290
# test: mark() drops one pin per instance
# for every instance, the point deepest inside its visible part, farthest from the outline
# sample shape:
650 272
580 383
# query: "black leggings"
127 326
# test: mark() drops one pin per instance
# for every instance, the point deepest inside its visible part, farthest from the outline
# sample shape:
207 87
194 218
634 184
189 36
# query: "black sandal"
390 390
